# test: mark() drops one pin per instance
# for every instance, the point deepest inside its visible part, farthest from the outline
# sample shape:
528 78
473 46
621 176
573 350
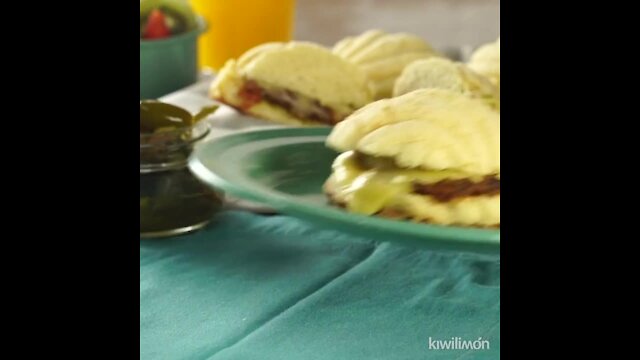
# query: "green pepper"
156 115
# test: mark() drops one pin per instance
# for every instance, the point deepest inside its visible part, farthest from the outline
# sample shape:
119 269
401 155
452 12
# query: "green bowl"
170 64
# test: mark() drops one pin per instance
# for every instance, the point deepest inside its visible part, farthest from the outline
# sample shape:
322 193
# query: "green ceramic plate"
285 169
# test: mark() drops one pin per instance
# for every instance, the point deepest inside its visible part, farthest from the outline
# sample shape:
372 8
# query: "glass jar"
172 200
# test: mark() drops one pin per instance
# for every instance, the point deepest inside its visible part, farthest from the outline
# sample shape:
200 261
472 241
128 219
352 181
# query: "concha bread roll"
446 74
447 112
439 143
327 77
486 61
382 56
306 69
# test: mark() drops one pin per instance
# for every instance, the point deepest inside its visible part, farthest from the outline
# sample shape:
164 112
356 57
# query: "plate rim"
435 235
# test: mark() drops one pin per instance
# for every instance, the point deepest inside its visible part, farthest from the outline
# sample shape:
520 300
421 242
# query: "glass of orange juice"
235 26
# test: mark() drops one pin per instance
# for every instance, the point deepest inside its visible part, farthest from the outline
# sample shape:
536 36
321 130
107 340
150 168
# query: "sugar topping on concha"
383 56
486 61
427 128
442 73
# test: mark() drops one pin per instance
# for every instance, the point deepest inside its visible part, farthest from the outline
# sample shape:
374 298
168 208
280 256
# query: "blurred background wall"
443 23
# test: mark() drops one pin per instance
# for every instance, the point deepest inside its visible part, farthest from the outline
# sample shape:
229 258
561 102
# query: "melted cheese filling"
369 190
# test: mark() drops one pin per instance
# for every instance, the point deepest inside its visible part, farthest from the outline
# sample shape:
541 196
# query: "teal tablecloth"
252 287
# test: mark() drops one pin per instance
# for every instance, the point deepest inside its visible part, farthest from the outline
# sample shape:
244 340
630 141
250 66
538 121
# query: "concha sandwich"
295 83
486 61
432 155
382 56
446 74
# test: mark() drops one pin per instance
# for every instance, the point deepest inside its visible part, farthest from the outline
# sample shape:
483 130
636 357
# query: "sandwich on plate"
432 155
296 83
